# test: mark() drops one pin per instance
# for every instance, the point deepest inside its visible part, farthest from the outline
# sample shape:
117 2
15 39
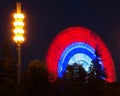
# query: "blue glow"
77 52
79 58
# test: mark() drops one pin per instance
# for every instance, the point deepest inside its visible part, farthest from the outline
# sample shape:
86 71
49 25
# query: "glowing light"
18 23
19 39
78 51
18 31
18 16
81 59
74 42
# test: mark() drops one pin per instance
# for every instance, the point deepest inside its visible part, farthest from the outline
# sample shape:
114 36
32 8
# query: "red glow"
78 34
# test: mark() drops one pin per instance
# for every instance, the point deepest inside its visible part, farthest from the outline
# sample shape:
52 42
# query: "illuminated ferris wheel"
78 45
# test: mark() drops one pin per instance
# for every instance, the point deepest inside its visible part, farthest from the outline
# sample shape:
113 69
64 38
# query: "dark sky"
46 18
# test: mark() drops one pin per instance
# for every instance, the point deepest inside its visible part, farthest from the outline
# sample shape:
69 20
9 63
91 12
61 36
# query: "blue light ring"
76 45
69 55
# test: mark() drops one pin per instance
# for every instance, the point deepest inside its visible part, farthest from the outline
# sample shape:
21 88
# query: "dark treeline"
34 81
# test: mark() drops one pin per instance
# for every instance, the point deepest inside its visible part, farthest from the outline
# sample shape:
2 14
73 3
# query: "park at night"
60 48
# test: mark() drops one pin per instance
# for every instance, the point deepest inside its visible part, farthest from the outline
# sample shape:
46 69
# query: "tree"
7 70
35 81
73 81
7 61
76 81
96 77
98 69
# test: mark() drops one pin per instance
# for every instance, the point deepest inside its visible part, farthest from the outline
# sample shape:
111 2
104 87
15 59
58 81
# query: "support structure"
19 63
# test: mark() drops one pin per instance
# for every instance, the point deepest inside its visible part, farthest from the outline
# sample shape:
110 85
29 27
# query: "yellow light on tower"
18 25
18 32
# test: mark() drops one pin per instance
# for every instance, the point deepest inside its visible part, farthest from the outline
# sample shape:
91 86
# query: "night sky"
44 19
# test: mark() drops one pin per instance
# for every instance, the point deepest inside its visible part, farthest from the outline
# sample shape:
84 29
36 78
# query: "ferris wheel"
78 45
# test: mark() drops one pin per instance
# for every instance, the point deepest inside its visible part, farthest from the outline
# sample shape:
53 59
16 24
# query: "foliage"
7 62
97 68
77 82
7 70
35 81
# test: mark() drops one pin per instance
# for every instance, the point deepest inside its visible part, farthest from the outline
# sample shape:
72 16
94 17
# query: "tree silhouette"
7 70
76 81
98 69
73 81
35 81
